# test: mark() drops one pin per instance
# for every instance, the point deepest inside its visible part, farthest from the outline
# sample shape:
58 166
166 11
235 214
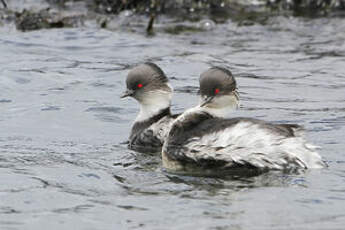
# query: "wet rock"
45 19
195 9
307 7
6 16
181 28
26 20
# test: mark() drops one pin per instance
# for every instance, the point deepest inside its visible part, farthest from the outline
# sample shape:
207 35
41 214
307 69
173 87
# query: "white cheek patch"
152 103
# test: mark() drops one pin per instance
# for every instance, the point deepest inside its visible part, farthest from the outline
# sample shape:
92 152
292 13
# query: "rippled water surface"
62 161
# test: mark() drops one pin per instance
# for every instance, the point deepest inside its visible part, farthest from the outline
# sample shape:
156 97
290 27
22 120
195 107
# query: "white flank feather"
249 142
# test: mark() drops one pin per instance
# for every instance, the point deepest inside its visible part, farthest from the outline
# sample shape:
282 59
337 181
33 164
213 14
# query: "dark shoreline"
69 13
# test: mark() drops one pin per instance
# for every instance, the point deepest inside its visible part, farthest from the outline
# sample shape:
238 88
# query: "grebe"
148 84
204 138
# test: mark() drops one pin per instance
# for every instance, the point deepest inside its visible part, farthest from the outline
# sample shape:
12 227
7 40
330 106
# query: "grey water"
63 161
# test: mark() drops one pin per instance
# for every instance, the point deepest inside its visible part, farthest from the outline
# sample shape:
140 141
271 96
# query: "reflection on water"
62 158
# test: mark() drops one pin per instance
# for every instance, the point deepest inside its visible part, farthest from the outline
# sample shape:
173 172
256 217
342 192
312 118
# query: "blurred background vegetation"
37 14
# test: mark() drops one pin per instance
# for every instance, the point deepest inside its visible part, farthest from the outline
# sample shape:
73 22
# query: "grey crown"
147 74
217 78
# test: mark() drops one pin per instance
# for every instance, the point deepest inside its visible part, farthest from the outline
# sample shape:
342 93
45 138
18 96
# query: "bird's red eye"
140 85
216 91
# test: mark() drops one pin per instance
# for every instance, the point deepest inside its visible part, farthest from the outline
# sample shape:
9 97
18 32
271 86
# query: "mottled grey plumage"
148 84
149 135
201 138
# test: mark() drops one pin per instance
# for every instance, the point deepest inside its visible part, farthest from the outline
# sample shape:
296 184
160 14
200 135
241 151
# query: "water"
62 161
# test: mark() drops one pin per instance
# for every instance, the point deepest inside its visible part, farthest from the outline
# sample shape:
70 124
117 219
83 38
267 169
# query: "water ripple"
61 119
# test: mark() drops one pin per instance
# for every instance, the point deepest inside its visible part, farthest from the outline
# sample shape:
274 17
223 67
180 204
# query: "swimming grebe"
204 138
148 84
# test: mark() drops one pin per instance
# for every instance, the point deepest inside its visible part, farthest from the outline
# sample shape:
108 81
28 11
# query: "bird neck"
222 106
153 104
224 112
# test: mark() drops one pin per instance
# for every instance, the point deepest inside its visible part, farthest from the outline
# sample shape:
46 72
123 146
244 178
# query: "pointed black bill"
127 93
206 100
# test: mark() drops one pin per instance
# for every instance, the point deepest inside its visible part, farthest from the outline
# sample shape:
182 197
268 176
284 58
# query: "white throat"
153 102
224 112
222 106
